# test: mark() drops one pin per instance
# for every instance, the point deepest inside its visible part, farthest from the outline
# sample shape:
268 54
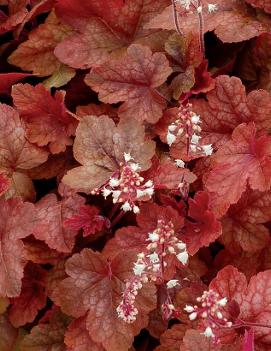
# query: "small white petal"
154 258
208 333
139 268
172 283
193 316
140 193
207 149
149 191
114 182
153 237
127 157
195 119
195 139
106 192
181 246
223 302
183 257
126 207
180 163
189 308
170 138
172 127
149 183
199 9
116 194
212 8
136 209
135 167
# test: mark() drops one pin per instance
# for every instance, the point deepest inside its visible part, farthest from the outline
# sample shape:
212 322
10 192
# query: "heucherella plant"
135 175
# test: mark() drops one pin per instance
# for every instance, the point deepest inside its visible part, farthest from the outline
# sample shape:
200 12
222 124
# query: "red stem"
176 19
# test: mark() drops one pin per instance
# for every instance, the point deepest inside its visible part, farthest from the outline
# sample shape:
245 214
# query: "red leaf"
227 106
8 334
166 175
16 222
99 283
37 53
4 183
204 227
15 151
47 335
243 226
77 337
25 307
47 120
133 78
88 219
254 299
104 30
244 159
100 145
262 4
171 339
8 79
231 22
249 341
51 215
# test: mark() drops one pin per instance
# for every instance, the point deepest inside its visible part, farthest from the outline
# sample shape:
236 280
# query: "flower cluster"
150 266
189 5
187 124
127 186
211 311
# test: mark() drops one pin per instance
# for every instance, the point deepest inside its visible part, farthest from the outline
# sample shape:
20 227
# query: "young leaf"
133 78
202 227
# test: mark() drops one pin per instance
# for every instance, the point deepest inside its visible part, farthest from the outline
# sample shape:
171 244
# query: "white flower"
181 246
156 267
114 182
149 191
195 119
170 138
127 157
189 308
116 194
223 302
195 139
139 193
154 258
172 128
183 257
136 209
149 183
180 163
185 3
180 132
126 207
172 283
208 333
207 149
106 192
193 316
139 268
219 315
212 8
193 148
199 9
135 167
153 237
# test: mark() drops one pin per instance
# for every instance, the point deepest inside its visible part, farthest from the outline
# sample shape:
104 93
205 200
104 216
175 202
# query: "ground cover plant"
135 175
